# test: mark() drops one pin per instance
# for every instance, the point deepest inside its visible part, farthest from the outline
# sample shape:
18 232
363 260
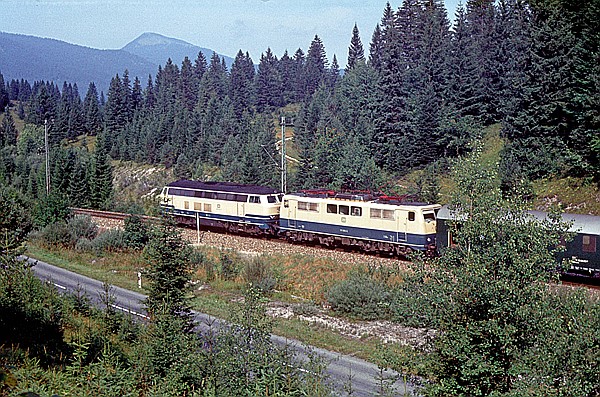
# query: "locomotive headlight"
428 239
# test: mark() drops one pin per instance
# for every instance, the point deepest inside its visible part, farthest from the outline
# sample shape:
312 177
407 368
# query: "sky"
225 26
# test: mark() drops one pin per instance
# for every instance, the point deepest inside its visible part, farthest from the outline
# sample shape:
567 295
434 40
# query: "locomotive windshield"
429 216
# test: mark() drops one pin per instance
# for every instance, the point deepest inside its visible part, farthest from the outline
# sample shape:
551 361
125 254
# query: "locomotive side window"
411 216
313 207
388 214
344 209
286 204
302 205
589 243
356 211
255 199
186 205
207 207
271 199
332 209
198 206
375 213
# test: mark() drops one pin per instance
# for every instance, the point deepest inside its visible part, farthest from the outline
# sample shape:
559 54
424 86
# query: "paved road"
365 376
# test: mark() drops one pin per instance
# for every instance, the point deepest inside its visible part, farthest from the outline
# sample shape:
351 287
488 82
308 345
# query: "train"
580 254
367 222
370 223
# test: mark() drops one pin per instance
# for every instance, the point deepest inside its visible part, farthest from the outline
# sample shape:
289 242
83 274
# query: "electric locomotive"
233 207
362 221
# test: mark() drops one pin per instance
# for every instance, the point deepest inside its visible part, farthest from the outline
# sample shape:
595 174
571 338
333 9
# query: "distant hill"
157 49
34 58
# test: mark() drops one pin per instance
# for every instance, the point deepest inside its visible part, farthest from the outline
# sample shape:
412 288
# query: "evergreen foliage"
490 298
169 273
356 52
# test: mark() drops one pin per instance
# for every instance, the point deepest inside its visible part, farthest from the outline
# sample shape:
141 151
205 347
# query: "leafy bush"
51 209
109 241
258 273
136 233
229 265
82 226
360 296
55 234
69 234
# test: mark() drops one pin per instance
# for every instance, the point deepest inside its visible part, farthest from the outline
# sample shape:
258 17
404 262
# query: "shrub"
258 273
82 226
135 233
55 234
230 265
360 296
109 241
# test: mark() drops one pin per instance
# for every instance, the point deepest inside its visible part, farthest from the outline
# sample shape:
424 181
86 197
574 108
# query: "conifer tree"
101 177
287 72
4 99
376 50
299 83
8 131
269 93
316 65
334 73
241 86
356 52
169 273
188 89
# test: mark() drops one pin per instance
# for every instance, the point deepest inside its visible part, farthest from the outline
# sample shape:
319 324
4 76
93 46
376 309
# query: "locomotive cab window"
356 211
429 217
344 209
332 209
271 199
589 244
255 199
411 216
286 204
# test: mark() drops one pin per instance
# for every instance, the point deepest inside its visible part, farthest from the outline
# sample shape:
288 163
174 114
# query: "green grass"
219 298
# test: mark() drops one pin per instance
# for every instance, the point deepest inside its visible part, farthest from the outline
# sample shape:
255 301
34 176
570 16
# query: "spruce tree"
169 273
376 50
188 86
316 65
241 86
101 177
356 52
269 93
4 99
8 131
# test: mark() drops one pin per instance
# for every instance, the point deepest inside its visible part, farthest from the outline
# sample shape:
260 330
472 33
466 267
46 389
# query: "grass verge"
218 299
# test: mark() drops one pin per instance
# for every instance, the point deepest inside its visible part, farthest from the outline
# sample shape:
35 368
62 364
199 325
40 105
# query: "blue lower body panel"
419 242
261 221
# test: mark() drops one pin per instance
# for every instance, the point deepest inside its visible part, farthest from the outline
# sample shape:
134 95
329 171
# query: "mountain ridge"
34 58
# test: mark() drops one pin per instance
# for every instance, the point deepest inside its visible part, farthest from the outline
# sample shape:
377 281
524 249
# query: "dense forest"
422 94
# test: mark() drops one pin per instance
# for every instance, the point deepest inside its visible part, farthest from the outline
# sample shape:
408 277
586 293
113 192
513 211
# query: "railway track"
254 246
251 246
